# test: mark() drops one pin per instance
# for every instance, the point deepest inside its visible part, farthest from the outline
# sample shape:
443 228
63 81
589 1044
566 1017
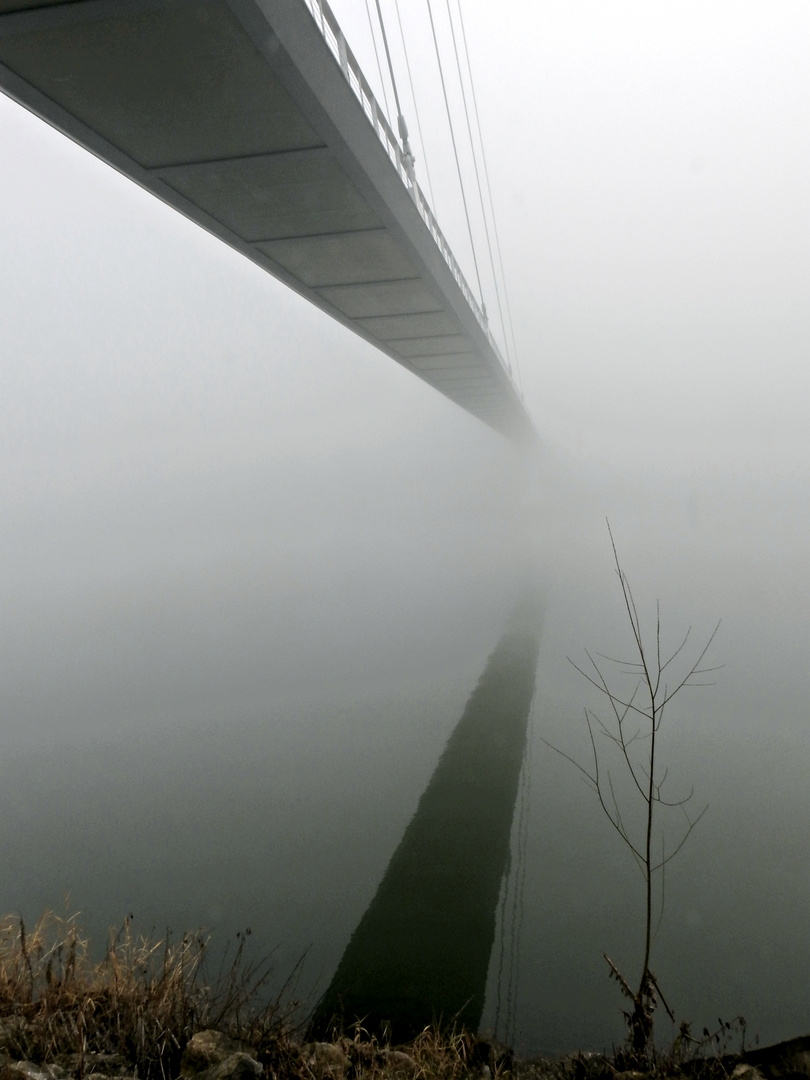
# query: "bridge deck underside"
206 106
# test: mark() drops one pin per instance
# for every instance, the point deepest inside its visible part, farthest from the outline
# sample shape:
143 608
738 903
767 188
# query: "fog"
223 515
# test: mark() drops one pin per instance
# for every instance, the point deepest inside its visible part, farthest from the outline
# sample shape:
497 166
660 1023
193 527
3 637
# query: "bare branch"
654 981
630 727
622 830
678 651
694 670
620 978
619 663
573 761
677 802
663 885
603 688
686 835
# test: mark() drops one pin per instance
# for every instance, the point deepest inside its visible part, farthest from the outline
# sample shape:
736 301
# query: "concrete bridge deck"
253 118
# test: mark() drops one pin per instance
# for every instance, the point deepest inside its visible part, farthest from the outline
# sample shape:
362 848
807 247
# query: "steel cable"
402 126
379 65
455 150
416 108
475 164
491 205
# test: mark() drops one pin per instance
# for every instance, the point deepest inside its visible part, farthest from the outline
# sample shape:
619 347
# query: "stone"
744 1071
325 1059
400 1063
487 1053
782 1060
27 1070
239 1066
207 1049
92 1064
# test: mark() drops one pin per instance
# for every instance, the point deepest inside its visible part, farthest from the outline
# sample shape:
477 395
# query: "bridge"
253 118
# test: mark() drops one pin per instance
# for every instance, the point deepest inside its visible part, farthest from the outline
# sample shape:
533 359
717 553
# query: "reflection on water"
421 951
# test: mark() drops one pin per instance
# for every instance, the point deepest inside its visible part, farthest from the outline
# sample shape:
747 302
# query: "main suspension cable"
455 151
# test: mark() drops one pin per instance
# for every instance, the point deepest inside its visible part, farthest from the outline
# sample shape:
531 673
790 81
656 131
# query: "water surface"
283 817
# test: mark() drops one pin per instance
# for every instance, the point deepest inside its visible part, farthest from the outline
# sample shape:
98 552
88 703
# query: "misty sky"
650 167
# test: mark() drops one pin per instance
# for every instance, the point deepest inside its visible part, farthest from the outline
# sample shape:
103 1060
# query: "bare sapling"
637 692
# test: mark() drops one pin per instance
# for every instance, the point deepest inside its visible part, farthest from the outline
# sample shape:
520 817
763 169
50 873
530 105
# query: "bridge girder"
252 118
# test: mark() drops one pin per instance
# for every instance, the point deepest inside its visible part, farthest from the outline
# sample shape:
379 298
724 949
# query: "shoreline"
146 1011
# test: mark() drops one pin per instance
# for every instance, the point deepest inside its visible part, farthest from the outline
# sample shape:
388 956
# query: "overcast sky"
650 164
650 167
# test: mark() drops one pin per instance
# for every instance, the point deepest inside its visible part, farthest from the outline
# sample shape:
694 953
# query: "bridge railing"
333 36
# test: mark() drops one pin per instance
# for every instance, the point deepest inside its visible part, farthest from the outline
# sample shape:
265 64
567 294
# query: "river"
282 812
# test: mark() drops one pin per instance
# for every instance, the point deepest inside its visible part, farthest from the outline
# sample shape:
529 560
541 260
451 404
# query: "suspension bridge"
253 118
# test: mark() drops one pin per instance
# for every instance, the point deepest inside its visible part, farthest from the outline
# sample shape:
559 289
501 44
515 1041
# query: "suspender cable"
403 128
415 107
475 164
388 57
455 152
520 883
379 67
491 205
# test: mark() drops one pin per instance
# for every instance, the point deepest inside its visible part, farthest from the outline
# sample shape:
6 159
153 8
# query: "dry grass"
450 1053
138 1006
134 1011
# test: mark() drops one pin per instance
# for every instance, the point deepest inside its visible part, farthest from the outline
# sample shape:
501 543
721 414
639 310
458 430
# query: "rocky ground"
212 1055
